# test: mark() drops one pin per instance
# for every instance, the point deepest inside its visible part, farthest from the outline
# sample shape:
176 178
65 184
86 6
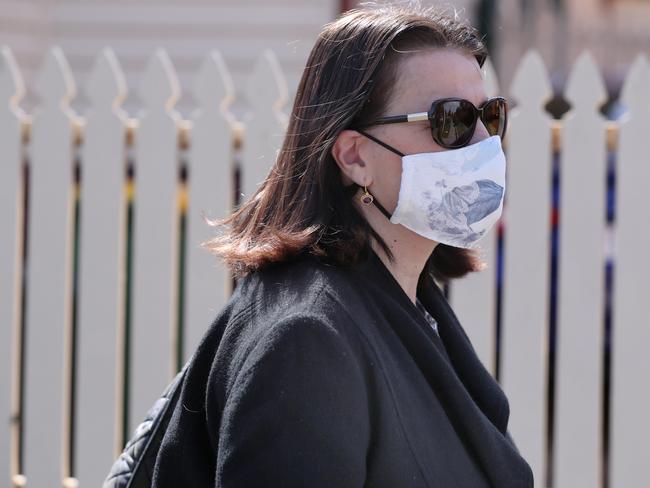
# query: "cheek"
389 183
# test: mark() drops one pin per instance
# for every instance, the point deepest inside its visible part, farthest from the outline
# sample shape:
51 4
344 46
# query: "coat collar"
479 383
474 401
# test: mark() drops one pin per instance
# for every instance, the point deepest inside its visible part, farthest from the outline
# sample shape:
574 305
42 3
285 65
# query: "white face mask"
453 196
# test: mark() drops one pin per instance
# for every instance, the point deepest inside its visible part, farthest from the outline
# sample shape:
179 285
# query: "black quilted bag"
134 467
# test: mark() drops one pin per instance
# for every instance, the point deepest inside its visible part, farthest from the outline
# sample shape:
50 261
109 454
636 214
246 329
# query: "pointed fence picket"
578 440
630 425
49 277
210 195
474 299
156 221
527 254
267 95
102 274
118 290
12 124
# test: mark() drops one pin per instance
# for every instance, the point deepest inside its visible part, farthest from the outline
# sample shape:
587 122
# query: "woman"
337 362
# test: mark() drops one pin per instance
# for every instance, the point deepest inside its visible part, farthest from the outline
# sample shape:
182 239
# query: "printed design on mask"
462 206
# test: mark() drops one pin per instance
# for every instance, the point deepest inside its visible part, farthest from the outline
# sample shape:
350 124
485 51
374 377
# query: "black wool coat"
315 375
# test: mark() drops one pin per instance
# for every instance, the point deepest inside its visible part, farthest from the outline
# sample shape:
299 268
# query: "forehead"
436 73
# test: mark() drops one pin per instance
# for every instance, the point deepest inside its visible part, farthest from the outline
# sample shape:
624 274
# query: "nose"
480 132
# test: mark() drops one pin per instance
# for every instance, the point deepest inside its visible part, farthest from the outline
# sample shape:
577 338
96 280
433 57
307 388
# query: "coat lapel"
480 384
473 400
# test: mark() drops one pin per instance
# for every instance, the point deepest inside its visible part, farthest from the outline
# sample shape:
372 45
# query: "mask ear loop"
374 199
381 143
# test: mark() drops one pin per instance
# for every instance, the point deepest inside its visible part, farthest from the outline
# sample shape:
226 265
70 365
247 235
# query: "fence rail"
104 291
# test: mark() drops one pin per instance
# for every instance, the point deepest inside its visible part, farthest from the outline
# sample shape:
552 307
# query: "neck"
410 250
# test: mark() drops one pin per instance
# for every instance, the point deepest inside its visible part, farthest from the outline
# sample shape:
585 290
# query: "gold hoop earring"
366 198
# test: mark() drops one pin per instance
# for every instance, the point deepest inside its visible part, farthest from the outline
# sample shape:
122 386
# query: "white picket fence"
101 217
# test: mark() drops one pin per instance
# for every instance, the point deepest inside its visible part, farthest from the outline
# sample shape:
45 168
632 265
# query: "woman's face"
422 78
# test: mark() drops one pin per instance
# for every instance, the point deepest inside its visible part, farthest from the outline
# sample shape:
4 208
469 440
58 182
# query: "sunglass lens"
495 117
452 123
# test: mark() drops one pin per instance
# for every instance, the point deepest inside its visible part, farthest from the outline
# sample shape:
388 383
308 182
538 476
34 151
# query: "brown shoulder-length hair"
302 206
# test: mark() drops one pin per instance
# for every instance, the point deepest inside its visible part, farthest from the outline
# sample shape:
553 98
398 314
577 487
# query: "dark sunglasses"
453 120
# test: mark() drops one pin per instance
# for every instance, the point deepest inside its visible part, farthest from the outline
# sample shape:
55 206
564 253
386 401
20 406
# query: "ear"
347 155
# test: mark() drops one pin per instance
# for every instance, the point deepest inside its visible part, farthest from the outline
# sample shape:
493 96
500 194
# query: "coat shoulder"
306 287
293 305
